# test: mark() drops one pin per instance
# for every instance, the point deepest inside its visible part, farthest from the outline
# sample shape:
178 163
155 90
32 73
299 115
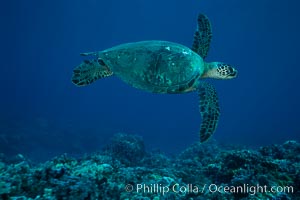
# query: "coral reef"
124 170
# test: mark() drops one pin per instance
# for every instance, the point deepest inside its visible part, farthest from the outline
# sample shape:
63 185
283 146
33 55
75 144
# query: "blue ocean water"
43 114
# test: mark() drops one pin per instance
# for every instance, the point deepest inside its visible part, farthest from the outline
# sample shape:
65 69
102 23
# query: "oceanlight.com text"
207 188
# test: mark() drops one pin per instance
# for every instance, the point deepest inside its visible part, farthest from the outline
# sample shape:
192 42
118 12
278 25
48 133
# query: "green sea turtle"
163 67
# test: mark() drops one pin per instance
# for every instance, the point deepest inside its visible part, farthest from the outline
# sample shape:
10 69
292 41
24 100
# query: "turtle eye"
100 61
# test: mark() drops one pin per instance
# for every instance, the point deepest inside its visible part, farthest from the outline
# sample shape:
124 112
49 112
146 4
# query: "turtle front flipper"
89 71
202 36
209 109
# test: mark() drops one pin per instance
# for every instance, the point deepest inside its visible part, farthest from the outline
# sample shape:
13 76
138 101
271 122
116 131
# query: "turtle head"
219 70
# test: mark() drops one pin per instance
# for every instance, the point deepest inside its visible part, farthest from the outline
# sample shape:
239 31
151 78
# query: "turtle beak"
232 73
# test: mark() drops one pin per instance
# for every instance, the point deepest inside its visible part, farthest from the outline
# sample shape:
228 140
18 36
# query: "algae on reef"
125 170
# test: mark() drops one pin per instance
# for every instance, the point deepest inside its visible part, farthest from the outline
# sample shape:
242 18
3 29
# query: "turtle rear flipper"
89 71
209 109
202 36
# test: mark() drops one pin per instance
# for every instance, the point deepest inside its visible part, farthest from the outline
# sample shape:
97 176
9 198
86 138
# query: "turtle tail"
89 71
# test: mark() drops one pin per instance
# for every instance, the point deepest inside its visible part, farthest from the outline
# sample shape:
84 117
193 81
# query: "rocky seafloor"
125 170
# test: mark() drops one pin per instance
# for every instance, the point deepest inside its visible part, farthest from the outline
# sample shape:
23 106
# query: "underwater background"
42 114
